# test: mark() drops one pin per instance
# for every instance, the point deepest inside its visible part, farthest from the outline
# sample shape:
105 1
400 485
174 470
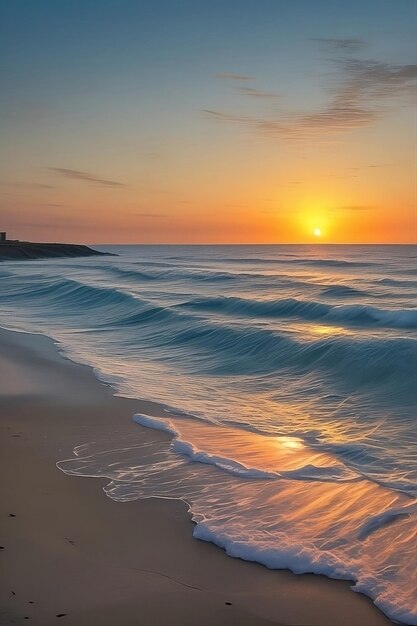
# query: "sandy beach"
71 555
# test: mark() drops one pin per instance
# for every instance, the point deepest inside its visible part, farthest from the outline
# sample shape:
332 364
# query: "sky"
207 121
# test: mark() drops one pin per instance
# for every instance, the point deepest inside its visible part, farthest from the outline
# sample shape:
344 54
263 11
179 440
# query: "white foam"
155 423
282 523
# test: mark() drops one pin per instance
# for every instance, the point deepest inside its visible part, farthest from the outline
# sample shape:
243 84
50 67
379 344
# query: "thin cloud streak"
353 207
341 45
85 177
356 100
256 93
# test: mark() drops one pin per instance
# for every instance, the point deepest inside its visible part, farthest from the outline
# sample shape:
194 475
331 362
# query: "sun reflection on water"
290 442
320 329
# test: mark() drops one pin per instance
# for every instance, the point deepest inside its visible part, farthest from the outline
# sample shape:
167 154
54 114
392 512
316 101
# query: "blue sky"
141 92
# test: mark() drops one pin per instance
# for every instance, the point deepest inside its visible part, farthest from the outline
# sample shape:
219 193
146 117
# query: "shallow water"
289 377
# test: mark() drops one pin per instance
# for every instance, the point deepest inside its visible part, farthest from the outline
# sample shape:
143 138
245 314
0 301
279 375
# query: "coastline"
69 549
29 251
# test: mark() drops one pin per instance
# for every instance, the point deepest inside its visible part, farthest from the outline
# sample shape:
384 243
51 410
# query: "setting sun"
317 232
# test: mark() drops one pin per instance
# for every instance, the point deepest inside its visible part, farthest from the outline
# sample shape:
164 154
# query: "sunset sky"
208 121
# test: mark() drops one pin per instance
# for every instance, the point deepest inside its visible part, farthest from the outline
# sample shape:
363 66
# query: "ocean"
288 375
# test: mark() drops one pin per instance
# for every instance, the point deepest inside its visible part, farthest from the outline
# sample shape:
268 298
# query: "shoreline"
69 549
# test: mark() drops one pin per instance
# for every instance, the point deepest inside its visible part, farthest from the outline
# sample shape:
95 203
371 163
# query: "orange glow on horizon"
142 136
375 209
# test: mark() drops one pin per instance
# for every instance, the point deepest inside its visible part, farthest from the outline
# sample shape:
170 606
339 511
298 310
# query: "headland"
26 250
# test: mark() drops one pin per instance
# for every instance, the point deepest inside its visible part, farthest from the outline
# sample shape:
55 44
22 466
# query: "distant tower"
3 236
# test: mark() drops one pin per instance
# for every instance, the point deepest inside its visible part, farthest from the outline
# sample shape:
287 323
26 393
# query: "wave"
258 279
135 274
331 263
169 274
81 296
218 348
409 271
198 275
309 472
203 347
393 282
342 291
364 315
383 519
237 349
68 291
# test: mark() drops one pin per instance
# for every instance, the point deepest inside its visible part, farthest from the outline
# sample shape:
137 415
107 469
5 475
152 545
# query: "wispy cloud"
361 167
359 92
226 117
269 127
232 76
85 177
366 78
340 45
256 93
353 207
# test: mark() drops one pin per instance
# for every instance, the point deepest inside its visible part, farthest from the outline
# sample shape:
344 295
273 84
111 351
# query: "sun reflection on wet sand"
272 500
252 450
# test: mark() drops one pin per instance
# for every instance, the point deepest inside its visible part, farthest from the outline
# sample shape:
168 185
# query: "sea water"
289 377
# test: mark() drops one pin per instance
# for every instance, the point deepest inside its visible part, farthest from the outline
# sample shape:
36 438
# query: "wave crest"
364 315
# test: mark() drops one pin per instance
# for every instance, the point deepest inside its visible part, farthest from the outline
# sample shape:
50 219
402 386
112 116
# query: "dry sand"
72 556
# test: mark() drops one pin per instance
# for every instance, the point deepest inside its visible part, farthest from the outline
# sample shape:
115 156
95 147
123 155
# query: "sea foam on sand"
275 501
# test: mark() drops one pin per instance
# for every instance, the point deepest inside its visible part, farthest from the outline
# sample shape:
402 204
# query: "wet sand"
71 555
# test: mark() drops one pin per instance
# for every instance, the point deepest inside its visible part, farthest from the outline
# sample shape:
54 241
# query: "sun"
317 232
